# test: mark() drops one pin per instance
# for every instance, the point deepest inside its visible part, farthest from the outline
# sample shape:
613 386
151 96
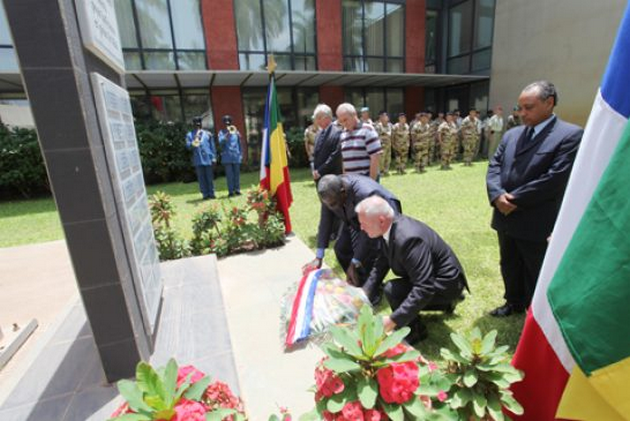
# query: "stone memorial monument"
72 65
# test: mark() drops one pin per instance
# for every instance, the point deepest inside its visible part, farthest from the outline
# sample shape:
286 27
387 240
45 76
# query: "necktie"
522 144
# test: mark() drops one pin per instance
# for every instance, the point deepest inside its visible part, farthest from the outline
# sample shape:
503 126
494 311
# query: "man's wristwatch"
357 264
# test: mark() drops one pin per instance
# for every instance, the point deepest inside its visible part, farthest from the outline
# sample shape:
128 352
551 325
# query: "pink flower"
374 415
442 396
398 382
327 382
183 372
353 411
432 366
122 409
187 410
397 350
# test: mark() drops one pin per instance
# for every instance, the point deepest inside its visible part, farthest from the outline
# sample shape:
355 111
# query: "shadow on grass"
509 328
439 334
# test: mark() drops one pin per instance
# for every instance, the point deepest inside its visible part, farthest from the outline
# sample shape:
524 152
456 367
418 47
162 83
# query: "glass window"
252 61
289 29
307 99
375 101
151 45
459 65
395 102
132 61
5 34
374 28
278 30
395 65
479 95
166 107
159 61
373 31
126 26
352 27
154 24
460 29
355 97
303 16
187 24
198 105
484 23
395 30
481 60
431 28
248 25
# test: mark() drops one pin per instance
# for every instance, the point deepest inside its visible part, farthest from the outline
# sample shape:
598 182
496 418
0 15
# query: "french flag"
302 311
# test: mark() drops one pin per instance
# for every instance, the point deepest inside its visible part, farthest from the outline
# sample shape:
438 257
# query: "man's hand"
504 205
316 175
312 265
388 324
353 275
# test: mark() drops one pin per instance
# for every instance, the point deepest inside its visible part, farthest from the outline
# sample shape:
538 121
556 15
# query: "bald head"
375 215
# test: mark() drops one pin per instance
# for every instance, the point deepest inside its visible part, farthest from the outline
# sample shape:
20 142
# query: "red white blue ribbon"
302 311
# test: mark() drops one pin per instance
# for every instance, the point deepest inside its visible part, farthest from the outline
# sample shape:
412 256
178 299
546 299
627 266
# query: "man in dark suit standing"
430 275
327 152
354 250
526 180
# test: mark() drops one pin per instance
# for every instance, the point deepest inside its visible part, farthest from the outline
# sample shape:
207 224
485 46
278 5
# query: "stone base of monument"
63 378
13 338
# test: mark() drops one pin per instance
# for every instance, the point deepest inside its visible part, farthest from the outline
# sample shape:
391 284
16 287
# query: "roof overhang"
200 79
11 83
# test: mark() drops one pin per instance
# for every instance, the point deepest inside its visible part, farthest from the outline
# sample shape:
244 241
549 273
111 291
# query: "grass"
451 202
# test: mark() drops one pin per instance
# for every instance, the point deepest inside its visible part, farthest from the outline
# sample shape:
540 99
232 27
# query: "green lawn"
451 202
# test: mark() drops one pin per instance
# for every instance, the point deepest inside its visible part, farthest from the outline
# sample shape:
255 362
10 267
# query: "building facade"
208 57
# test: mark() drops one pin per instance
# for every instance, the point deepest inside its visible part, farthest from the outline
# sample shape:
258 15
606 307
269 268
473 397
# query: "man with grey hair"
360 144
327 151
430 276
526 180
355 252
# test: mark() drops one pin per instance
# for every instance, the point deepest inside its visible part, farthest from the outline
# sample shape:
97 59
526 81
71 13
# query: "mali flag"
575 347
274 168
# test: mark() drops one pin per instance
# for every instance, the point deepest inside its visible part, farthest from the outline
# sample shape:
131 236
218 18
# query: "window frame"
364 57
292 54
141 50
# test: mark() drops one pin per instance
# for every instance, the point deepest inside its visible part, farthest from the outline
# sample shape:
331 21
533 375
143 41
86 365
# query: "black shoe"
507 309
418 333
238 193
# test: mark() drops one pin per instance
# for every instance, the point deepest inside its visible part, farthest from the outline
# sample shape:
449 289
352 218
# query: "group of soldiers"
425 140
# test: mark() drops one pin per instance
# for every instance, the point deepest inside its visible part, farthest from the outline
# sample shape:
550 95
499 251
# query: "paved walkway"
245 300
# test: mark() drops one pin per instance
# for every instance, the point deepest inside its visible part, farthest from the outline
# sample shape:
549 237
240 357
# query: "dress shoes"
419 332
507 309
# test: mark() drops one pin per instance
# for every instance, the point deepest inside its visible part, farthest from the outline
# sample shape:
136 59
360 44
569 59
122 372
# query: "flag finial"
271 64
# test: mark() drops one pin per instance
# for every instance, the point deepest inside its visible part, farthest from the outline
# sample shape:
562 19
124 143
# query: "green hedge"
162 152
22 170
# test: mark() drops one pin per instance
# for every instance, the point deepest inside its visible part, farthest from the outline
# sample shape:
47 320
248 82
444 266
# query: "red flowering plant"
176 394
368 375
260 201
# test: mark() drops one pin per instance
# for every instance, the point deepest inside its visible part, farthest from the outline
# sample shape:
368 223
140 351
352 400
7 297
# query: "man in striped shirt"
360 144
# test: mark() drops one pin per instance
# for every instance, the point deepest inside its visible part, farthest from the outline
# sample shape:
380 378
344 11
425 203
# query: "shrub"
169 243
295 144
163 152
22 170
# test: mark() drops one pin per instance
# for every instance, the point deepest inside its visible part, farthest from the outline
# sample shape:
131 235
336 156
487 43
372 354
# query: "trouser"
493 143
232 174
345 246
386 157
521 261
205 176
397 290
469 150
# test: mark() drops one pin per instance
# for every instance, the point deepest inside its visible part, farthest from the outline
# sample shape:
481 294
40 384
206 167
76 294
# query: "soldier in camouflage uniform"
435 144
384 129
309 141
447 134
420 141
513 120
470 136
400 142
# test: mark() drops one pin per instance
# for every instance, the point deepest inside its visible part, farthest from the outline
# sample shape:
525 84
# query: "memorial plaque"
99 29
121 147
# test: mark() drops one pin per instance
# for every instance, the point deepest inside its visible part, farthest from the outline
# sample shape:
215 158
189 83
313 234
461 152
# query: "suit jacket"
204 154
327 152
419 255
536 174
358 187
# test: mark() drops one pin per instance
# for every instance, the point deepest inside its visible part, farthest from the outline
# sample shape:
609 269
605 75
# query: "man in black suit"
526 181
327 152
355 251
430 275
